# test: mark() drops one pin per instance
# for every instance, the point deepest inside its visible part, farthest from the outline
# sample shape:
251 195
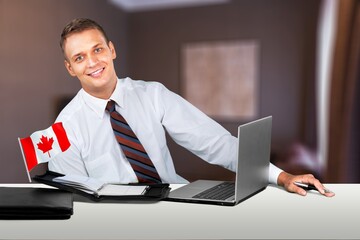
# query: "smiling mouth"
96 73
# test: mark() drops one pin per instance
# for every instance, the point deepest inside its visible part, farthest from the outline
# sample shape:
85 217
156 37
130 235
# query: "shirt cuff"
274 173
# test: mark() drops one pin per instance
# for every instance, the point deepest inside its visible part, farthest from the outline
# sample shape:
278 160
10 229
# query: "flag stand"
22 152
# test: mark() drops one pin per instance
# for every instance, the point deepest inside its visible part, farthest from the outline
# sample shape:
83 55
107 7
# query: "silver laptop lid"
254 154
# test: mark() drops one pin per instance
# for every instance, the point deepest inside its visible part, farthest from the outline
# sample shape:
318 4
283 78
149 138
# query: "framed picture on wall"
221 78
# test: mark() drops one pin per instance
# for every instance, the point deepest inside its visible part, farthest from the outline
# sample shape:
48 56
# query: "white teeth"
96 72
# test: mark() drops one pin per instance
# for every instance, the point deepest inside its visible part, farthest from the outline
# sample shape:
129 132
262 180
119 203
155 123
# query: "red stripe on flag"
61 136
29 152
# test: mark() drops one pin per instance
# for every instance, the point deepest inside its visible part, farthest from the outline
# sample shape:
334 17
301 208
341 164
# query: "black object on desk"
20 203
154 192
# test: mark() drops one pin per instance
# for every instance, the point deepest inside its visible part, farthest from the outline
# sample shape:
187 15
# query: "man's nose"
92 60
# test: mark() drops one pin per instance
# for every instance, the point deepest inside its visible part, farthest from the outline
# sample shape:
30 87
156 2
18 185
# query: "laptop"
252 171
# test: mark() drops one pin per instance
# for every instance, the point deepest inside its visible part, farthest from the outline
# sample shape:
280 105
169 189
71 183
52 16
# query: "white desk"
273 213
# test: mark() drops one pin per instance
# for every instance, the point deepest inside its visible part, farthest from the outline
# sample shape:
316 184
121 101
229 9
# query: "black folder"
154 192
20 203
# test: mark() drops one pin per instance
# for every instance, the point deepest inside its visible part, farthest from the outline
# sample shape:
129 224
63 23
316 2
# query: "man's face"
90 59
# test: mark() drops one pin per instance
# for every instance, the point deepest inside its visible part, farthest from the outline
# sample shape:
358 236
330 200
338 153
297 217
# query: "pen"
305 186
310 187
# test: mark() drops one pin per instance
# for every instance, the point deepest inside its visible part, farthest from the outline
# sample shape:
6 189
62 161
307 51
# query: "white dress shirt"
150 109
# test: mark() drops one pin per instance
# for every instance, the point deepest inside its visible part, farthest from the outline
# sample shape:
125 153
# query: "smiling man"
117 126
89 57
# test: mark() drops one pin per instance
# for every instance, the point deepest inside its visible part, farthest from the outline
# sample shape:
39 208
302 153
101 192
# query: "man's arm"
70 161
195 131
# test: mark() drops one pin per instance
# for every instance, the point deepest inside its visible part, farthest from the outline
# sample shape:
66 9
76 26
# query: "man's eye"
97 50
79 58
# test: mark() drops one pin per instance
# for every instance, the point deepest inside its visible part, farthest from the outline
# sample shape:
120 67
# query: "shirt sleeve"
195 131
70 161
274 173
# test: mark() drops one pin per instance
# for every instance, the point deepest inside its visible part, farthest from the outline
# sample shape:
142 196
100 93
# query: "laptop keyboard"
219 192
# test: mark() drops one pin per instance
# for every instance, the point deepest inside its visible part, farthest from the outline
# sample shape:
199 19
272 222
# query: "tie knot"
110 106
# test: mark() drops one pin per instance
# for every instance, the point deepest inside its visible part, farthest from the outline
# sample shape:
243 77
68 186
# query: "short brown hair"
78 25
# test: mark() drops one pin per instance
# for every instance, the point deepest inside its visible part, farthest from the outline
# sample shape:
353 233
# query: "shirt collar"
118 94
98 105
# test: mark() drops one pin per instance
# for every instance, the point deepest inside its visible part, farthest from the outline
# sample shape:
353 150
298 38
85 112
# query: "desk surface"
273 213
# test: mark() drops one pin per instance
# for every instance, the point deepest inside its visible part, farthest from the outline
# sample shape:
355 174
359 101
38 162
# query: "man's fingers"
296 189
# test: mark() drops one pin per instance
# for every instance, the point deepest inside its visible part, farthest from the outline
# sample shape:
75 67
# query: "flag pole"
22 152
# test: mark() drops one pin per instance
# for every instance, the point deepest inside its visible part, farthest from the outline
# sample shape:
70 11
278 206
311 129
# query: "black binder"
21 203
154 192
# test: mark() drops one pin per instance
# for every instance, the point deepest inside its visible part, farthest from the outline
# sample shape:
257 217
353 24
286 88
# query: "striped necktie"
132 148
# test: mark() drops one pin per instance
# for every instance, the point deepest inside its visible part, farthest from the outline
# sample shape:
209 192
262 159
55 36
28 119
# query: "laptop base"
176 196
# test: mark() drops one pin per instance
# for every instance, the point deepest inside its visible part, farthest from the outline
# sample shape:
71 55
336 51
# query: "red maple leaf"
45 144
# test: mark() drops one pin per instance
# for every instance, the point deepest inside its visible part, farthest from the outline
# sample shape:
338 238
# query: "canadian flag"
43 145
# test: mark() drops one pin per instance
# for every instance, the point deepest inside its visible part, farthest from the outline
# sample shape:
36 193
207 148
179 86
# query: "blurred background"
308 73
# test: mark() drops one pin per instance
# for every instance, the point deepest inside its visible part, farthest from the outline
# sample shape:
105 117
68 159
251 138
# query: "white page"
80 182
121 190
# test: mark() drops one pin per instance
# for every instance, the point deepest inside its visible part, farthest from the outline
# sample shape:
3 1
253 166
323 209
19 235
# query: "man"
109 114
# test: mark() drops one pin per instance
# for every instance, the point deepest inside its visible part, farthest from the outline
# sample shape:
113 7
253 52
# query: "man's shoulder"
140 84
71 109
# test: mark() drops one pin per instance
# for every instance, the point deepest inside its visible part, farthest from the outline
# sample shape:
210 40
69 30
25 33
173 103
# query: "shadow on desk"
80 198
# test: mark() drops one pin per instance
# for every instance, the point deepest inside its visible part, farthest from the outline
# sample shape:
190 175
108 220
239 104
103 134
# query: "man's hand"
287 180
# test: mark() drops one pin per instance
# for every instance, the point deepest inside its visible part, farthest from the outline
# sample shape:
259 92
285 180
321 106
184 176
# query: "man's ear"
112 49
69 68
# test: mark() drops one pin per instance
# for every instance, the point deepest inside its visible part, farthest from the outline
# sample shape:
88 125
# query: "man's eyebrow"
97 45
76 55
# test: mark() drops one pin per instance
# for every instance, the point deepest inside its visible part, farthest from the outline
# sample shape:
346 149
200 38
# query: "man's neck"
103 93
